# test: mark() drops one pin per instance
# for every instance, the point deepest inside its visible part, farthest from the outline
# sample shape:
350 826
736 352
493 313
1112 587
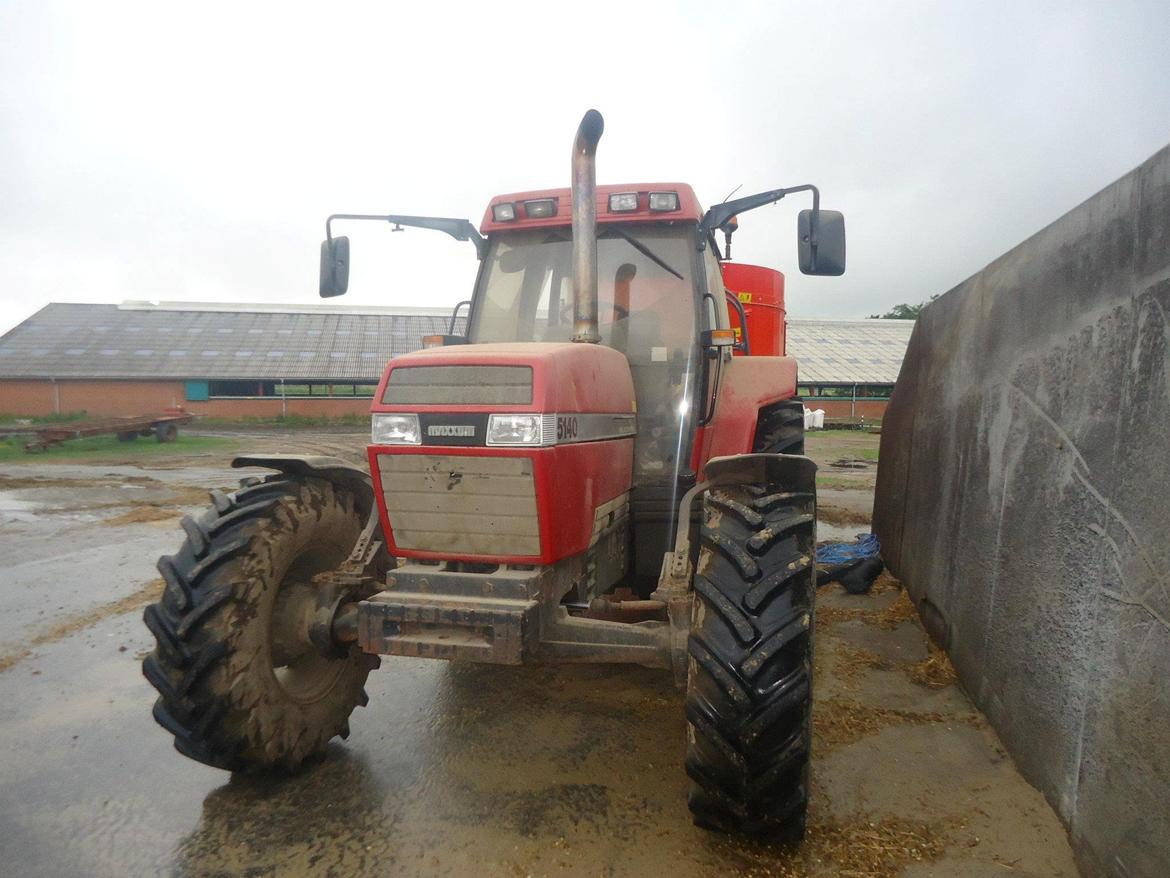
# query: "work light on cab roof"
605 464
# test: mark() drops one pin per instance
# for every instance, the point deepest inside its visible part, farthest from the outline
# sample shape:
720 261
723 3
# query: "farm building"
848 367
317 360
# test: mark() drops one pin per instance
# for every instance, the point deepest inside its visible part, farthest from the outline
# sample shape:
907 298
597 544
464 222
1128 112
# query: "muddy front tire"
749 687
240 685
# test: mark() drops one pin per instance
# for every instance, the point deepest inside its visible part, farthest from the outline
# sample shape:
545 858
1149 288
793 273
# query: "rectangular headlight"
663 201
504 213
395 430
514 430
540 208
623 202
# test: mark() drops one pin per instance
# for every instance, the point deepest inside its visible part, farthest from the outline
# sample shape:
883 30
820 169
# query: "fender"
747 384
787 472
792 471
332 469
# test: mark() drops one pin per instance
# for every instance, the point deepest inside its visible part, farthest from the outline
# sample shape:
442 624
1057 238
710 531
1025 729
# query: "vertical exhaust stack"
585 228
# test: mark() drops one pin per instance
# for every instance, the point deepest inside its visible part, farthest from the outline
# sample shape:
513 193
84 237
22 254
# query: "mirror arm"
721 213
459 229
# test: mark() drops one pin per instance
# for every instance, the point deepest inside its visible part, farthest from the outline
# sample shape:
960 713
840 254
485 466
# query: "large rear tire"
240 685
749 688
780 428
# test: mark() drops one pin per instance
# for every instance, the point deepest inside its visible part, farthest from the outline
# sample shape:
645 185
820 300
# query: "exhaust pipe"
585 228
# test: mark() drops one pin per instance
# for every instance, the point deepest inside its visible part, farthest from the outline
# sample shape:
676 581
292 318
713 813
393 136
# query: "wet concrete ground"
454 770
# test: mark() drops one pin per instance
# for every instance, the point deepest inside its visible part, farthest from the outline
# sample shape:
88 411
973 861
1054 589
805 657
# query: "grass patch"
843 483
292 421
12 448
834 431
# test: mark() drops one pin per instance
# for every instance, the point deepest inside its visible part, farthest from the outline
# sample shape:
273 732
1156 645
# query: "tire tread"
750 651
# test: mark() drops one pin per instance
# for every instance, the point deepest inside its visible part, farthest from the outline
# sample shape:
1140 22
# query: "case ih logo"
467 431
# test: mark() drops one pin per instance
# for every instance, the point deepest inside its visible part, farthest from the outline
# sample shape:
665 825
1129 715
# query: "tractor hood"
511 453
548 378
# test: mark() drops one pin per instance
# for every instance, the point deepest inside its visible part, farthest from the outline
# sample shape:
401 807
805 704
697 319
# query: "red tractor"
588 474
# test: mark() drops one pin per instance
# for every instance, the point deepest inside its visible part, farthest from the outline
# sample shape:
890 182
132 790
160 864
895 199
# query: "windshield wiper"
644 250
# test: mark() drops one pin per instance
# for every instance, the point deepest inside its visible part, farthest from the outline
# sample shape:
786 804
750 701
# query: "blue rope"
832 554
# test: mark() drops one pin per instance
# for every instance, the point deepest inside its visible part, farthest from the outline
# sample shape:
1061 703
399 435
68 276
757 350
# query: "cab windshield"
646 310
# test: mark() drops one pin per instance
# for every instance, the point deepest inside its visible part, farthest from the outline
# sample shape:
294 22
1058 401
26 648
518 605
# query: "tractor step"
430 612
427 625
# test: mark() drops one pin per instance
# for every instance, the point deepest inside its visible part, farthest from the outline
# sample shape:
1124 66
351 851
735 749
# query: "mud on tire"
749 690
224 694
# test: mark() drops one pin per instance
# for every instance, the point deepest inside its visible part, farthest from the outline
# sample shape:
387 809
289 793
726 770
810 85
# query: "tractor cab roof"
634 202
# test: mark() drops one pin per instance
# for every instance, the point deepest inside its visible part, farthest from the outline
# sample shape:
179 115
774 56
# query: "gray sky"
193 151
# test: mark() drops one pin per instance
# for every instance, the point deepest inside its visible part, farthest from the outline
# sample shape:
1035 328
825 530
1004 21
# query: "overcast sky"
192 151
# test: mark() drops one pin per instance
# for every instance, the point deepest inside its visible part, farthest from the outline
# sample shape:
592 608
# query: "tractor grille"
461 505
459 385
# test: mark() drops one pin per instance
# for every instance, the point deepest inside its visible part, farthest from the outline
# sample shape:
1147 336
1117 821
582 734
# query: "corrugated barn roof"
212 341
848 351
174 341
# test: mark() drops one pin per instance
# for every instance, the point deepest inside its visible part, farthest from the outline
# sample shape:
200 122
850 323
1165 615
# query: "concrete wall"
1024 498
142 397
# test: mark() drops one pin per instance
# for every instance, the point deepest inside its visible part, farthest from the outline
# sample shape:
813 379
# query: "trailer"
164 426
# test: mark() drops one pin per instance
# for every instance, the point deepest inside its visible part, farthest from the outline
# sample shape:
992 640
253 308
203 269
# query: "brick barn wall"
26 398
140 397
870 409
318 407
31 398
120 397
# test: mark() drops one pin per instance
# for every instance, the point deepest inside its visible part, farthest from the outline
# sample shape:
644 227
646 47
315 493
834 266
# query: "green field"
12 448
290 421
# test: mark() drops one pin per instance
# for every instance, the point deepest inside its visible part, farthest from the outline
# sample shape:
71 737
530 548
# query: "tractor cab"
651 283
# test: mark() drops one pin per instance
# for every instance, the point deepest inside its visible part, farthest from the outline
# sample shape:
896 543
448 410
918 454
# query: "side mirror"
334 267
828 256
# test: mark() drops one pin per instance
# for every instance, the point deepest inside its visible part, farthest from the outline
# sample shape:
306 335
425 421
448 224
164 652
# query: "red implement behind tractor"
587 474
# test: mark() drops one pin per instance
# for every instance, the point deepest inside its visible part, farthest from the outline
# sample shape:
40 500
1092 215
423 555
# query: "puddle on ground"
13 509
